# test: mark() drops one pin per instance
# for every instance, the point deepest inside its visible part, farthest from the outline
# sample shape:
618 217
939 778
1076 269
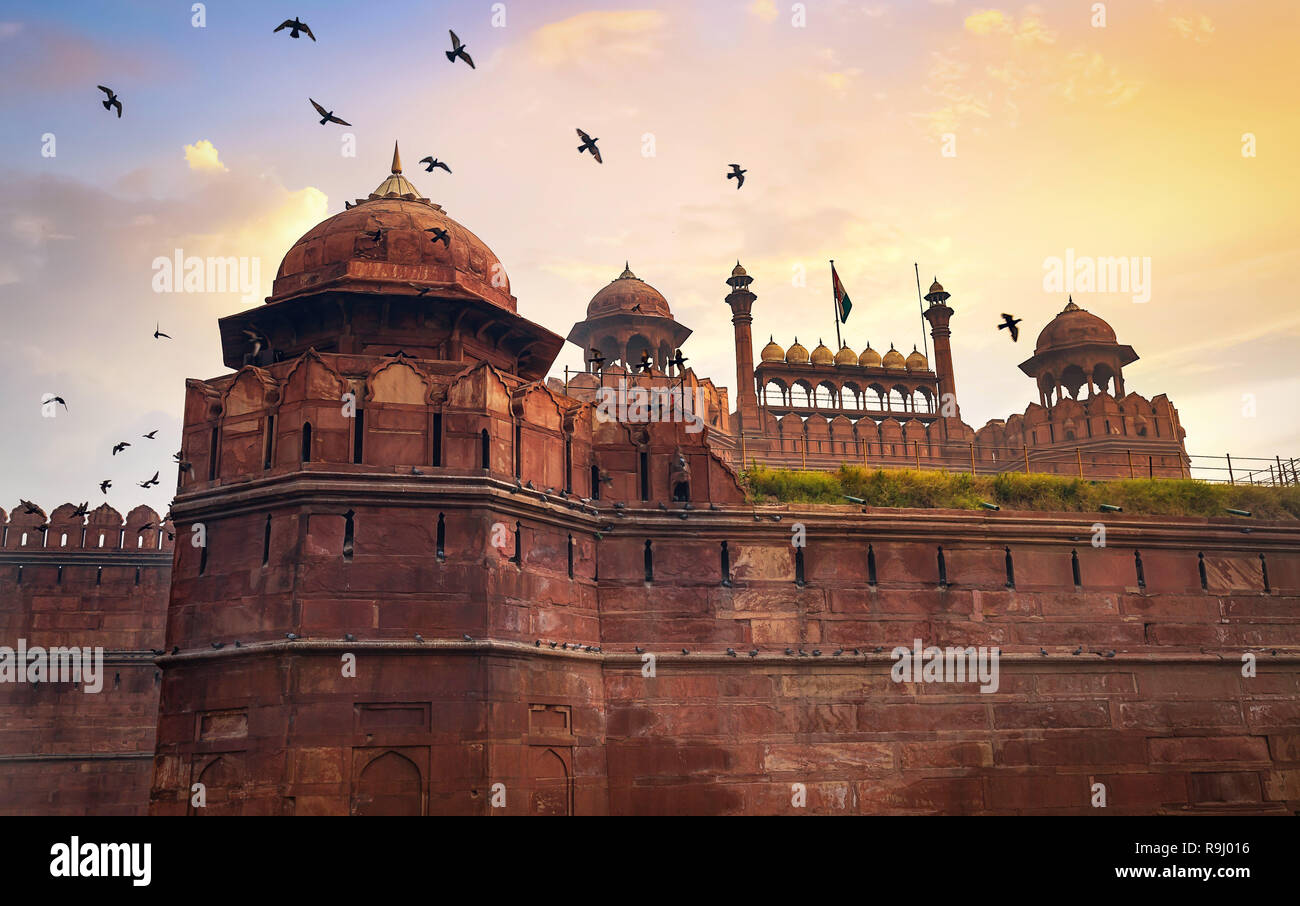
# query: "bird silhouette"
589 144
753 652
151 482
678 361
738 175
291 636
29 508
105 485
467 637
157 332
218 645
81 508
1043 652
150 435
1078 650
458 50
297 25
112 100
349 637
120 446
1009 323
433 162
731 652
57 399
327 116
439 235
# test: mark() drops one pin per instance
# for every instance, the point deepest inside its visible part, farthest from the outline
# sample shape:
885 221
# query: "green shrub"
1017 491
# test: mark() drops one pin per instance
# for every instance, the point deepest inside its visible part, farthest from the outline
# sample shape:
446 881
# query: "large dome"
1074 326
341 252
628 294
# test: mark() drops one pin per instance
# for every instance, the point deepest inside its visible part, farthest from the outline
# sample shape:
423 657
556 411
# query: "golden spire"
397 159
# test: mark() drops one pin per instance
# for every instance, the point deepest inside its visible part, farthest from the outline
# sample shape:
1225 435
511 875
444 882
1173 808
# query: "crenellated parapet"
71 527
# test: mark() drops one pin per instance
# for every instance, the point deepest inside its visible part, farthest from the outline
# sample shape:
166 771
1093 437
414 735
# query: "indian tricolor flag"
843 305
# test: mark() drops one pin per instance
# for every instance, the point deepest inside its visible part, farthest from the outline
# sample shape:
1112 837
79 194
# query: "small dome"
822 355
936 287
917 362
869 358
738 271
772 352
894 359
628 294
846 356
796 354
1074 326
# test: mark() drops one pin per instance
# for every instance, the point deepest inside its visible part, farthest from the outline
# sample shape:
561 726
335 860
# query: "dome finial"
397 160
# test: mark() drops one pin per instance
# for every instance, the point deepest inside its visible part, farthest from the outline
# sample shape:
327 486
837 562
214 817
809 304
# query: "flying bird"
105 485
151 482
297 26
157 332
57 399
29 508
738 175
433 162
1009 323
112 100
120 446
150 435
458 50
327 116
678 361
589 144
81 508
439 235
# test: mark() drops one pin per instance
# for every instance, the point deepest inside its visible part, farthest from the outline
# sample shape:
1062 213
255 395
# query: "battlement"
101 530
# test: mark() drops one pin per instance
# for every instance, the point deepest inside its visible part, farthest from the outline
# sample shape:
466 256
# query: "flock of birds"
29 508
597 649
458 51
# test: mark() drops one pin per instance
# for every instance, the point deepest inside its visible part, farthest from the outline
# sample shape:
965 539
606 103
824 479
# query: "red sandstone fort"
387 478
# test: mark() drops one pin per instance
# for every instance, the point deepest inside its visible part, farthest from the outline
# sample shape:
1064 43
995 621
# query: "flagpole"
922 307
839 344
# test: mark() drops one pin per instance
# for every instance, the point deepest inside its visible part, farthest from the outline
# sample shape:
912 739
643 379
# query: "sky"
979 141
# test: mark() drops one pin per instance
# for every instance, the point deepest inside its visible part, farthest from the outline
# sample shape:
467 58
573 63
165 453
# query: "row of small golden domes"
822 355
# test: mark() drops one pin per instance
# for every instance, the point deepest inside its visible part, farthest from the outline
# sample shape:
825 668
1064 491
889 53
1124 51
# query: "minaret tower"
741 301
938 314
